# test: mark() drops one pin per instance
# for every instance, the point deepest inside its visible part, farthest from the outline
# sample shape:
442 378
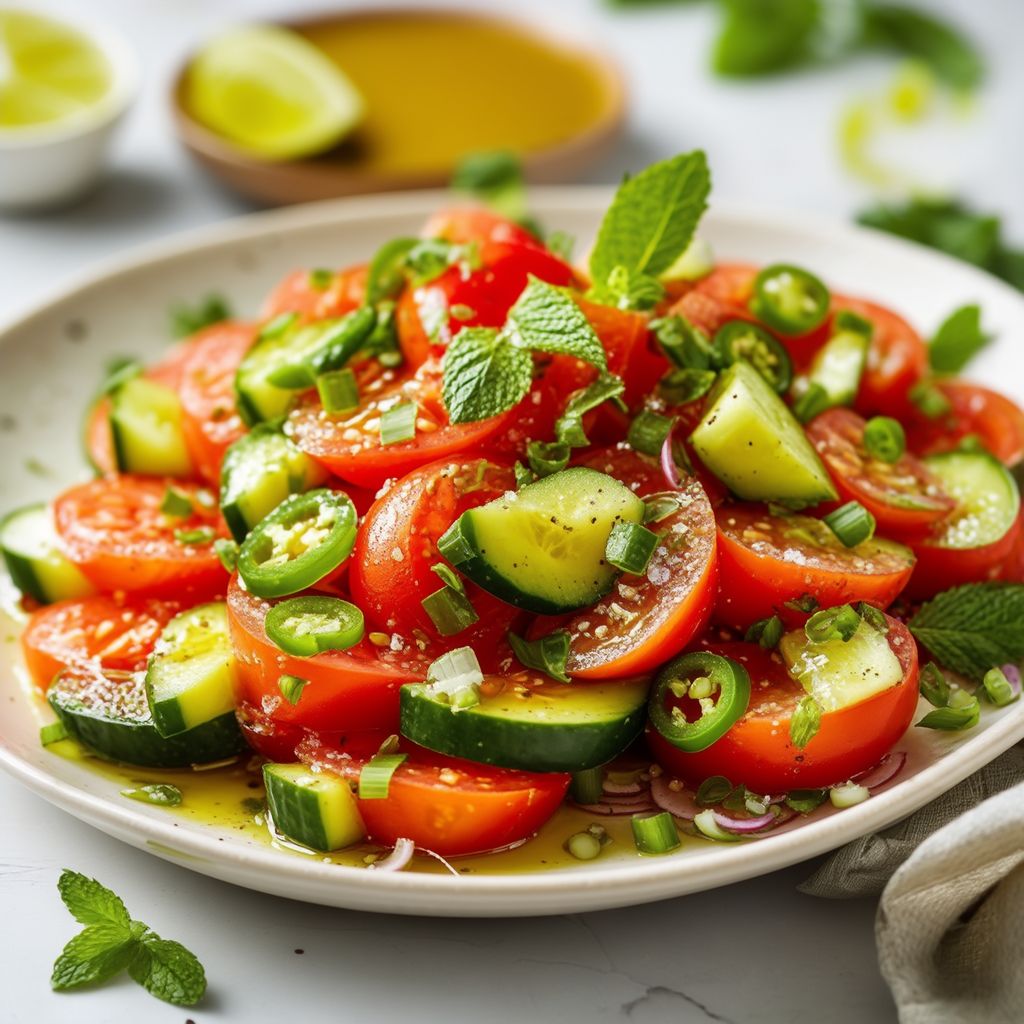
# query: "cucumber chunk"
28 542
108 712
839 364
839 673
145 424
987 495
751 441
259 471
316 810
191 674
549 727
543 547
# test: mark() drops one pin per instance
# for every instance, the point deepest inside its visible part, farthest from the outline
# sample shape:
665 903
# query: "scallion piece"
176 504
398 423
455 678
547 654
375 775
929 400
998 688
806 800
804 722
885 439
524 475
546 458
193 538
710 829
450 610
276 327
226 551
655 833
54 732
765 632
629 547
291 688
648 431
813 401
953 719
713 790
587 787
320 279
873 617
934 686
849 794
852 524
661 507
583 846
338 391
448 576
685 384
827 624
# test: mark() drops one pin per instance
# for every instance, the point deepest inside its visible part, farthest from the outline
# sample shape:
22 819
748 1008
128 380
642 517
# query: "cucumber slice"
191 674
108 712
839 364
754 445
145 424
540 728
259 471
316 810
987 496
542 547
31 551
839 673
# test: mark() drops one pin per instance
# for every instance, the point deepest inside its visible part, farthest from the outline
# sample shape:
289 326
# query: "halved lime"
48 71
271 93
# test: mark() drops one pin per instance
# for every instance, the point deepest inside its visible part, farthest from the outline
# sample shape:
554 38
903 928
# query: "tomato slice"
640 473
114 632
350 445
210 419
461 224
646 619
722 295
994 419
766 560
905 497
114 531
390 572
300 292
445 804
757 753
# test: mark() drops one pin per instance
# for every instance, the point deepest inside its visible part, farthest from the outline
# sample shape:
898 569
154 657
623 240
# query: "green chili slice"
790 300
303 540
709 674
740 339
305 626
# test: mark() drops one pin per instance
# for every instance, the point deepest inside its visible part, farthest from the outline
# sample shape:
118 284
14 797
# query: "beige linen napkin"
950 926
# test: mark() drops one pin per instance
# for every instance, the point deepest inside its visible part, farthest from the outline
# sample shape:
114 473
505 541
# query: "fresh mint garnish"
958 340
496 179
188 319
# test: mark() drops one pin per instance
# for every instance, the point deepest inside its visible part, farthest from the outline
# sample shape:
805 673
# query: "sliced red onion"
398 859
617 810
886 770
668 463
627 800
1012 673
743 825
622 787
678 802
438 858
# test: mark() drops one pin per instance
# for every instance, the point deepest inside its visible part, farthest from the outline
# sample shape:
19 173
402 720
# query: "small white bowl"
53 163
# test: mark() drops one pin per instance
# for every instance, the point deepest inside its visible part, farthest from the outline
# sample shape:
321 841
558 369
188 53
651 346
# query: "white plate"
52 357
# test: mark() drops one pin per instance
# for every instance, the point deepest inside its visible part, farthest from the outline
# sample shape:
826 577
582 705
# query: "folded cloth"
950 926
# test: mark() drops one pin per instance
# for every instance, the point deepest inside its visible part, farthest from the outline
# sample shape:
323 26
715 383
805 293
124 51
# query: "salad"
467 534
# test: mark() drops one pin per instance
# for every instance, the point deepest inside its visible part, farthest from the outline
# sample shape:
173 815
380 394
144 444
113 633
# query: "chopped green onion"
54 732
827 624
548 654
583 846
686 346
320 279
338 391
375 775
806 800
929 400
160 793
587 786
934 686
524 475
873 617
804 722
398 423
953 719
569 427
629 547
998 688
455 678
655 833
736 800
852 523
546 458
200 535
226 551
885 439
813 401
849 794
648 431
847 320
276 327
660 507
450 610
765 632
710 829
680 386
805 603
176 504
291 688
448 576
713 791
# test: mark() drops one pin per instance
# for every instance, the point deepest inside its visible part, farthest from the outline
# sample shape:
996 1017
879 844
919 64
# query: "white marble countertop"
755 953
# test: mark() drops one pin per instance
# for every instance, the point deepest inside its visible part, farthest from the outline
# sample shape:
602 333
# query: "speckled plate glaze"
51 356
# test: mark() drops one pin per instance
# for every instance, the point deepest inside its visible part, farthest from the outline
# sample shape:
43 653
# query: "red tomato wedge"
904 496
722 295
350 445
353 690
114 531
640 473
210 419
115 633
445 804
390 572
303 293
757 753
646 619
765 561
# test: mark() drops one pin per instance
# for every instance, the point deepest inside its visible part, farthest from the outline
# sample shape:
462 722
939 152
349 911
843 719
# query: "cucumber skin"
533 747
23 576
297 813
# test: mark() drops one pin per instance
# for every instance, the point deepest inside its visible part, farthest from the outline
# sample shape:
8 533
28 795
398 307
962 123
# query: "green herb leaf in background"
496 179
760 37
386 276
958 340
187 319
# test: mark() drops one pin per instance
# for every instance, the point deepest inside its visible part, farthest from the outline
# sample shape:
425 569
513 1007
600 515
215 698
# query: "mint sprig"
972 628
958 340
112 942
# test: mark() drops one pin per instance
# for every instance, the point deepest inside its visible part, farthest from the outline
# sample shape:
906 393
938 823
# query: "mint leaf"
496 179
186 319
546 319
652 218
958 340
386 276
91 903
627 289
427 259
167 970
973 628
484 375
96 953
569 427
759 37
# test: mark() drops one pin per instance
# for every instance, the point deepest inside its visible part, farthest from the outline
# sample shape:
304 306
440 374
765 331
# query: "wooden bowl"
344 171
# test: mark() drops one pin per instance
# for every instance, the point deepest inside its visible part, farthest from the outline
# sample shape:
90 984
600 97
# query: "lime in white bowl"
63 88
